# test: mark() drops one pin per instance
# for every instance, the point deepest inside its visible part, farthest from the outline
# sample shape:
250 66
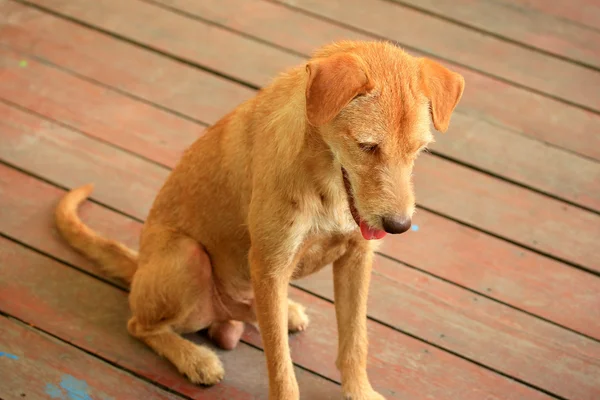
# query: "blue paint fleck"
414 228
76 389
69 386
54 392
8 355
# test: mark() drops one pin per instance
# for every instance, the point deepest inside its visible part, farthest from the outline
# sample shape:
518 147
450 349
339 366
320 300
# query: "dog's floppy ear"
444 89
332 83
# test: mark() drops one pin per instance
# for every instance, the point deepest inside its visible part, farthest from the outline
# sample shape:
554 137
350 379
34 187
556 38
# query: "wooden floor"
494 294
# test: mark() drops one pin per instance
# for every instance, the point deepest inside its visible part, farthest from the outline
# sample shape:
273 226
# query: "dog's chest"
330 216
319 251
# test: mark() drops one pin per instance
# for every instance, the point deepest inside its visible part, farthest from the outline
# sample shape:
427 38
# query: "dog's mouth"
368 232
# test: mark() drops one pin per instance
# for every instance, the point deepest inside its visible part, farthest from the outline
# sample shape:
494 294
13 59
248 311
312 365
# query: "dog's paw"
202 366
297 318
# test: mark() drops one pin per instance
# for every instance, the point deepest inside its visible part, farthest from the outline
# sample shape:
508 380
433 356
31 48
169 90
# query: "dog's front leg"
270 279
352 275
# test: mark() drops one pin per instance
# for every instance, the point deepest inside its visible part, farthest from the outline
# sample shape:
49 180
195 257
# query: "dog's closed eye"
368 147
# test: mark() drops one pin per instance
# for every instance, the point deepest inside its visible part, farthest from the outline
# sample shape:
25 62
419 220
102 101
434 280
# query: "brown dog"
291 181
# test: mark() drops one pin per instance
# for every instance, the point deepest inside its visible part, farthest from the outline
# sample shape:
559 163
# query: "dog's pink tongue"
370 233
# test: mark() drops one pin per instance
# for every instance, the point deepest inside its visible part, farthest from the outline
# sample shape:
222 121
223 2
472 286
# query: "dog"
310 172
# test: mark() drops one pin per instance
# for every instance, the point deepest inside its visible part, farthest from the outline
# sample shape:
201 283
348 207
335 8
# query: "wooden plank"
545 74
35 366
512 275
205 41
485 98
120 65
443 186
449 317
458 262
520 24
63 150
499 58
500 270
473 141
61 98
92 314
478 328
493 100
584 12
75 151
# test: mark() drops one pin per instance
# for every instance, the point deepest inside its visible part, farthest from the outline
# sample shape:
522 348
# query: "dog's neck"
306 169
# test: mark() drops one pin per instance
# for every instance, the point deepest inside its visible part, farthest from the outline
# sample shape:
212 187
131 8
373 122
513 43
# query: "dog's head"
373 104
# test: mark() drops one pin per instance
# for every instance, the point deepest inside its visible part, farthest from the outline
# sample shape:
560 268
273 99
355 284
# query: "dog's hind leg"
171 293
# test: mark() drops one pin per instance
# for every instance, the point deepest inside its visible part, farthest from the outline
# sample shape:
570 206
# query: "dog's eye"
368 147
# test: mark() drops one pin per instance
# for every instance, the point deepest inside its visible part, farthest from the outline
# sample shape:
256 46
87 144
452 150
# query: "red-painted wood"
177 86
500 270
496 206
23 133
509 19
213 45
498 336
486 98
461 45
528 68
584 12
513 275
480 329
76 159
35 366
121 65
469 325
92 314
462 322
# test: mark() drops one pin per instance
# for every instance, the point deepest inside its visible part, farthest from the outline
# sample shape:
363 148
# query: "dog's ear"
332 83
444 89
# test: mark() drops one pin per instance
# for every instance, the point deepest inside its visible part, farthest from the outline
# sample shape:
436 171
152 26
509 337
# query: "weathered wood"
584 12
452 318
92 314
121 65
446 40
448 316
500 270
487 265
468 324
480 329
520 24
35 366
112 175
176 86
485 98
218 47
501 208
76 159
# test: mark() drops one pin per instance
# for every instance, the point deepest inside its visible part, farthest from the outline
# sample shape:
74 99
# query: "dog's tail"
115 259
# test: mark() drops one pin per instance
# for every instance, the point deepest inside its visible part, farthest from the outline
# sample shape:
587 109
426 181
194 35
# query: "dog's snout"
396 224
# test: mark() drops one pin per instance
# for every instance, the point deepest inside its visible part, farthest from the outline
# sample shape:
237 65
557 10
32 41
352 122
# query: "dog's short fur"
272 192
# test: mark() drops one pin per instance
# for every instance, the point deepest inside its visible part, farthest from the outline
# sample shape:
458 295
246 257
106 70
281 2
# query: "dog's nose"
396 224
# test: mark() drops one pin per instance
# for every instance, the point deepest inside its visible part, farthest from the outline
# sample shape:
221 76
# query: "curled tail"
115 259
